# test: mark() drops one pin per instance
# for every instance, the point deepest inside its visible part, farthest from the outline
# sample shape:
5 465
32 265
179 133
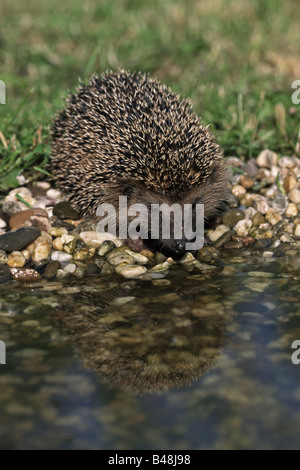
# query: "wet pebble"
224 239
92 268
16 259
213 235
19 239
116 258
64 210
130 271
232 216
243 226
42 250
51 269
95 239
57 231
106 247
60 256
5 273
294 196
3 257
25 274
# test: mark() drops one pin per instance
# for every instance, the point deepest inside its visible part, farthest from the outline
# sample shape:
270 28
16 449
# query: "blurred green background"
235 60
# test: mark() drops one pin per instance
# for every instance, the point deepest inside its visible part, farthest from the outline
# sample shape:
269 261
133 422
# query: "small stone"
130 271
3 257
261 205
238 190
287 162
106 247
64 210
161 282
251 168
115 258
19 239
208 253
266 159
291 210
70 268
233 245
123 300
95 239
138 257
213 235
246 181
258 219
244 239
268 254
21 217
2 223
51 269
57 231
16 259
57 244
250 212
293 195
232 216
297 230
4 273
165 266
54 193
273 217
61 257
84 253
42 250
290 181
69 243
92 268
243 226
25 275
224 239
149 254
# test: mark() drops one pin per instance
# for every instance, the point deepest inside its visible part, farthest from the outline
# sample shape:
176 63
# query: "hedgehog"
126 134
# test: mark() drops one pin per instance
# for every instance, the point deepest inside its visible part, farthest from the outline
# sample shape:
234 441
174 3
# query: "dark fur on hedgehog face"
209 192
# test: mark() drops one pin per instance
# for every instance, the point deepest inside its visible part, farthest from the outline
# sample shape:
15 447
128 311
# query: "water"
201 363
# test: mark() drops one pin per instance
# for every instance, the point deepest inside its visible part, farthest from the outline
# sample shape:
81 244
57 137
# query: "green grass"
235 60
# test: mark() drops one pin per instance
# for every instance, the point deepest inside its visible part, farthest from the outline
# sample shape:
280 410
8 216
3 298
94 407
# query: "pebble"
116 258
290 181
243 226
4 273
51 269
238 190
83 254
95 239
42 250
25 275
92 268
273 216
224 239
57 231
294 196
266 159
232 216
64 210
106 247
70 268
54 193
130 271
297 230
258 219
138 257
3 257
16 259
19 239
61 256
244 239
161 267
261 205
213 235
246 181
2 223
291 210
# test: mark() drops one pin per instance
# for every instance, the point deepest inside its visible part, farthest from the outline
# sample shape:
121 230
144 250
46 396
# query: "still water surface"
202 362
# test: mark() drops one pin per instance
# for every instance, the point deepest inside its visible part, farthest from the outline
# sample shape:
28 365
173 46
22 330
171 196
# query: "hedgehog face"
209 194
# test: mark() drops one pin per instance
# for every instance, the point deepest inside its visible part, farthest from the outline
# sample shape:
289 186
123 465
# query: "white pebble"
61 257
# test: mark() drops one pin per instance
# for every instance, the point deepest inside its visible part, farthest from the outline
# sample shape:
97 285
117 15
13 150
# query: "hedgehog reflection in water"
136 346
128 135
